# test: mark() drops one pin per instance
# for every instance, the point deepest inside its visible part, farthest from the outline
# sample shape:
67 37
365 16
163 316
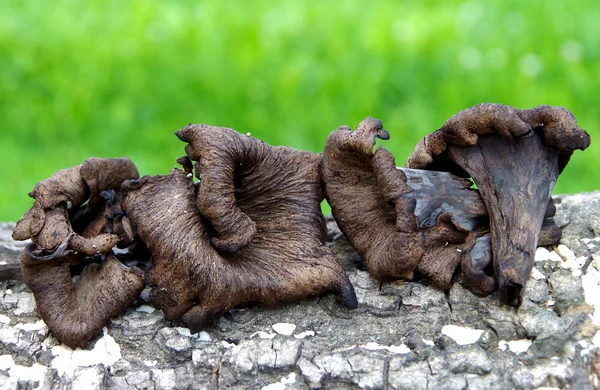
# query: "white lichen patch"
586 346
588 241
35 374
146 309
305 334
428 342
537 275
462 335
596 339
591 290
543 254
502 345
519 346
592 244
515 346
574 263
16 373
227 345
284 328
282 384
398 349
6 362
565 253
203 336
106 351
4 319
38 326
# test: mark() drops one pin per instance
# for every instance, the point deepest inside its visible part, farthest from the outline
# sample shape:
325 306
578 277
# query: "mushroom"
76 311
514 157
72 204
403 220
377 210
75 220
251 231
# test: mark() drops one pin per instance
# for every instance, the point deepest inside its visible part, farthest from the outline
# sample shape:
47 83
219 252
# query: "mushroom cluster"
428 219
250 231
240 222
74 223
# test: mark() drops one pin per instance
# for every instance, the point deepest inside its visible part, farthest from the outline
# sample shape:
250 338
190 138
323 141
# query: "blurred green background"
111 78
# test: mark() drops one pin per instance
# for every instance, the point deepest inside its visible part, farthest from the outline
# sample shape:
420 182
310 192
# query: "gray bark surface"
404 335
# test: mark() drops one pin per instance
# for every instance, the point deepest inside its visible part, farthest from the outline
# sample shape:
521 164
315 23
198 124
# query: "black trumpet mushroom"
514 157
397 221
250 232
76 220
405 221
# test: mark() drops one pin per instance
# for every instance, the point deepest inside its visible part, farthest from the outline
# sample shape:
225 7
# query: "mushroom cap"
76 217
76 311
251 230
399 221
514 156
364 190
557 124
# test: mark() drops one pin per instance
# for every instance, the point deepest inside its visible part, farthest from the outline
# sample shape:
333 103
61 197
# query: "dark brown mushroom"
250 232
402 220
76 311
514 157
362 191
76 216
380 214
69 204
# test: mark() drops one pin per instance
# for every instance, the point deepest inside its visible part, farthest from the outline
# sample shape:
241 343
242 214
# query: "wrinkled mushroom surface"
76 219
60 211
402 220
514 156
251 231
392 217
76 311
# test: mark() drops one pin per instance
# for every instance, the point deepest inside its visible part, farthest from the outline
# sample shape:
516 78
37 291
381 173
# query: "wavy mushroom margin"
514 157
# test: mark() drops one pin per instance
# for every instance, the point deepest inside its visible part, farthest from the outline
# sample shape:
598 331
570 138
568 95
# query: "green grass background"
112 78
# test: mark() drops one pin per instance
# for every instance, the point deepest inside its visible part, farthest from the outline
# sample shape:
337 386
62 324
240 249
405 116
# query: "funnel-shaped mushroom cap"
65 230
59 208
250 232
514 157
399 221
76 311
365 192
